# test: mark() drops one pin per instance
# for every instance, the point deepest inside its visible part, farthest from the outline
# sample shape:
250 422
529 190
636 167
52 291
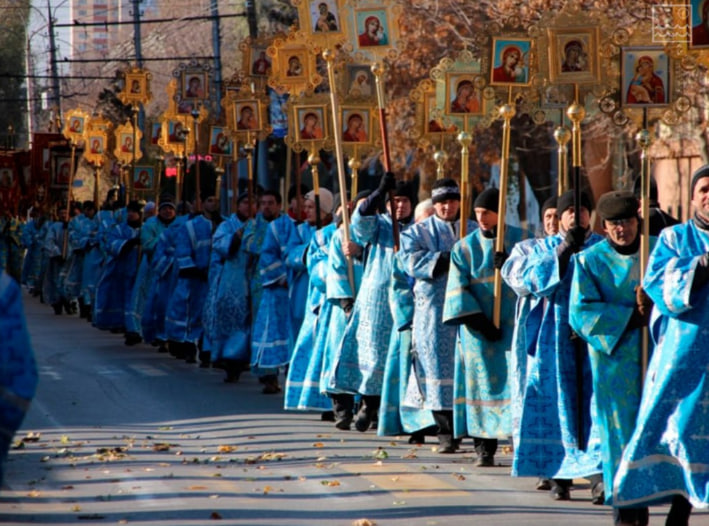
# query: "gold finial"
328 55
576 113
643 138
507 111
562 135
313 159
465 139
377 69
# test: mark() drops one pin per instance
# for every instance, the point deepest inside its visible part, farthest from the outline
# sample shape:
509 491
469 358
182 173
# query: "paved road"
125 435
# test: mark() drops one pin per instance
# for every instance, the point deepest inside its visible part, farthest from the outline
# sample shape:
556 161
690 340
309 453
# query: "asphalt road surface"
126 435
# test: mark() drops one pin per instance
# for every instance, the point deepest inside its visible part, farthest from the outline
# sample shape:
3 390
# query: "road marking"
48 370
107 370
147 370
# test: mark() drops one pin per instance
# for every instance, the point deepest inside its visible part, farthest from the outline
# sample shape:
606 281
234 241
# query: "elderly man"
668 453
608 310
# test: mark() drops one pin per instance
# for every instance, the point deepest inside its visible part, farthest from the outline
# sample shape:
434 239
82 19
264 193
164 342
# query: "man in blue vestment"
668 452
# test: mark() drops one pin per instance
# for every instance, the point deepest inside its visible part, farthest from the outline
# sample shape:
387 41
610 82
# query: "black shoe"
598 495
162 348
327 416
543 485
417 438
133 338
485 461
559 492
344 424
271 388
57 308
362 420
447 444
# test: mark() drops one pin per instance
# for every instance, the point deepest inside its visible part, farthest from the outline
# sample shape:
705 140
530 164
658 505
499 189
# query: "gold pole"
97 189
329 57
643 138
197 182
249 149
507 111
313 160
465 139
158 182
289 161
354 165
235 179
65 243
562 135
131 188
441 157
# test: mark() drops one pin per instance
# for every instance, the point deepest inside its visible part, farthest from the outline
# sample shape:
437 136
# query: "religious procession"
454 285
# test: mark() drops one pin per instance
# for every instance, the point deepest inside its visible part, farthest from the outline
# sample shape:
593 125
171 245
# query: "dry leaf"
226 449
267 490
76 508
161 446
34 494
364 522
31 437
197 488
318 444
459 476
330 483
215 516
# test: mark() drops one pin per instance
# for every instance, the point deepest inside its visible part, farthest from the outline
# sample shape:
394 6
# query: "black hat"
653 189
566 201
701 173
549 203
166 203
445 189
617 205
134 206
292 191
242 196
489 199
404 189
88 205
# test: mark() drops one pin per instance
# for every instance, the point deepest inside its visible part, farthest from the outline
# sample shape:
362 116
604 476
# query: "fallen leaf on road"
380 454
31 437
76 508
327 435
34 494
226 449
459 476
68 486
318 444
161 446
411 454
196 488
64 439
215 516
165 428
267 490
364 522
330 483
399 502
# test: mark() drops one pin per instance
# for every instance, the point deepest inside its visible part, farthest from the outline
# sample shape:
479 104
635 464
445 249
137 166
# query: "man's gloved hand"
235 244
387 182
58 259
193 273
701 273
442 265
643 302
500 258
480 323
131 243
638 320
347 305
575 238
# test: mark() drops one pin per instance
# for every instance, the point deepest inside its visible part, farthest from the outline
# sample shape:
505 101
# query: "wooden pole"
378 71
330 59
465 139
313 161
507 111
643 138
65 242
562 135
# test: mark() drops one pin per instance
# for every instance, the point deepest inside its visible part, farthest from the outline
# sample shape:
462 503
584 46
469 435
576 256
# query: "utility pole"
251 17
216 44
56 96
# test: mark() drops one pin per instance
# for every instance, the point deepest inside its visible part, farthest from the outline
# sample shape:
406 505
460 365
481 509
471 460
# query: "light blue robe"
271 329
150 232
338 290
113 290
303 379
93 258
603 292
548 445
528 319
163 282
430 386
75 259
227 312
668 452
53 283
394 418
32 265
183 319
18 369
366 339
482 369
252 242
298 280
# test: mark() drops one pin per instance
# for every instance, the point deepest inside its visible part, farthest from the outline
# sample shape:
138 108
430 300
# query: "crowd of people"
396 329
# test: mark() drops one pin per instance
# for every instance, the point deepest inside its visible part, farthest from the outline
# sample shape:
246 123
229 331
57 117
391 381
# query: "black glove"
386 183
701 273
347 305
479 322
193 273
638 320
500 258
234 245
575 238
442 265
58 259
132 242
